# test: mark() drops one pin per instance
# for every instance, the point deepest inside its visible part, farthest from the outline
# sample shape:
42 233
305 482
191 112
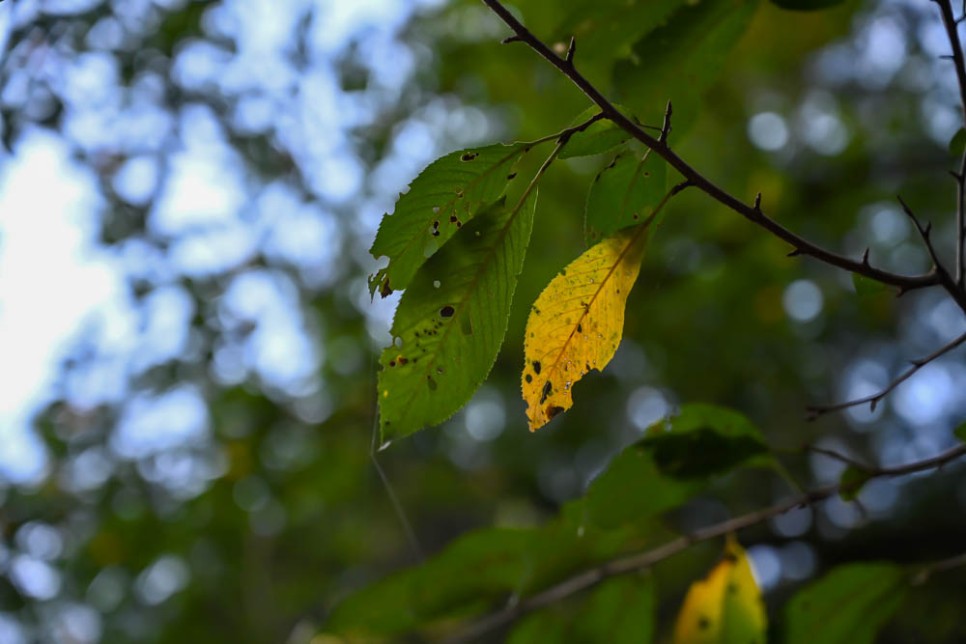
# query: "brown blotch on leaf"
447 311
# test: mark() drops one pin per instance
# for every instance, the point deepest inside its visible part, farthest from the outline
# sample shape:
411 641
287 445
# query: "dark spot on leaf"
440 370
469 156
528 378
435 233
704 623
459 224
511 176
547 390
447 311
384 288
436 223
392 363
432 383
730 556
459 194
553 410
453 219
536 367
580 328
401 360
586 367
636 216
732 589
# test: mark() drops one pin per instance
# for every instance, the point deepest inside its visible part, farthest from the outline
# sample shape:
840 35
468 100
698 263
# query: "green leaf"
851 482
670 465
451 321
958 143
624 193
608 504
806 5
473 574
605 30
619 611
847 606
481 565
681 60
866 287
601 136
444 197
960 432
704 440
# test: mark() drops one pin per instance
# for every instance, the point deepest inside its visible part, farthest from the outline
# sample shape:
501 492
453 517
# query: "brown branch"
873 400
643 560
755 215
952 34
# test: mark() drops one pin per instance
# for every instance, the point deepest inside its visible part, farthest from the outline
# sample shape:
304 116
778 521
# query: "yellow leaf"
724 607
577 322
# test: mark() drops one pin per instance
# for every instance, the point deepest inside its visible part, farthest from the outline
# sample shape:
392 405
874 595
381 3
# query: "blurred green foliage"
285 522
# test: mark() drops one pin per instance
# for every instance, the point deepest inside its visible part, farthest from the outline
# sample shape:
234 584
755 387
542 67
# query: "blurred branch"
873 400
943 565
752 213
643 560
950 22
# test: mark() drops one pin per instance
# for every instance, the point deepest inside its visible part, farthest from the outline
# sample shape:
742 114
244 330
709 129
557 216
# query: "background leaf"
444 197
847 606
619 611
577 322
672 463
450 323
806 5
680 60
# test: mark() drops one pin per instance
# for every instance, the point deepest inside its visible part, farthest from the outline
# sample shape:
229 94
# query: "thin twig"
756 216
643 560
837 456
943 565
952 34
946 280
874 399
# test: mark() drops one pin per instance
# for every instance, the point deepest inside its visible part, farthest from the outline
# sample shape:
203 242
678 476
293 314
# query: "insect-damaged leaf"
577 322
724 607
451 320
443 198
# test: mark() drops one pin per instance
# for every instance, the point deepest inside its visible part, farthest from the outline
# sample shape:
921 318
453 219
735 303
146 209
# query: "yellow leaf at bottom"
577 322
724 607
